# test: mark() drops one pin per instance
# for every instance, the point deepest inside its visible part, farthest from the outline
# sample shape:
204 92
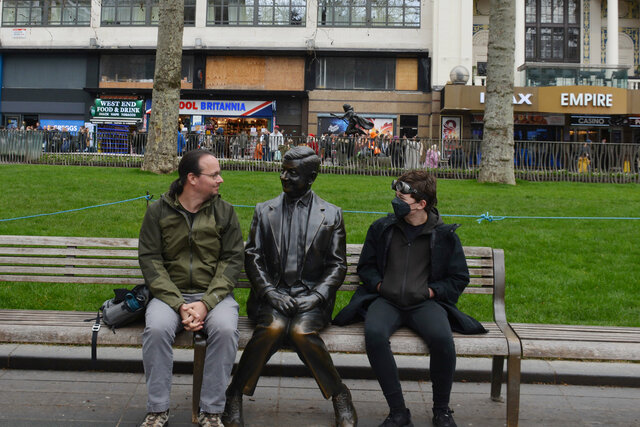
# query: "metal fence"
533 160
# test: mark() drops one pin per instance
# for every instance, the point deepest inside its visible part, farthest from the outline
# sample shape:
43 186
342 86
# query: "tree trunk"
497 143
162 139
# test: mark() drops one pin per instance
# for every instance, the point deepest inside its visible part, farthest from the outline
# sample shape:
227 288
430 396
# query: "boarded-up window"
407 74
256 72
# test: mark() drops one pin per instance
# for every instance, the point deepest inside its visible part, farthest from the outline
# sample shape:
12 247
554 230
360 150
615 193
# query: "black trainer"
443 418
398 419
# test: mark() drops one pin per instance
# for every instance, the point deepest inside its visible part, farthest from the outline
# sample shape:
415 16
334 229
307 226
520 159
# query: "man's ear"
422 203
191 178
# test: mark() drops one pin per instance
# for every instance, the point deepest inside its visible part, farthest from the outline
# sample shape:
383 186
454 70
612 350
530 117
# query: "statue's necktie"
291 266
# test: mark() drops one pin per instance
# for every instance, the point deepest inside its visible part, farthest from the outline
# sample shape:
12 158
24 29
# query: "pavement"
53 386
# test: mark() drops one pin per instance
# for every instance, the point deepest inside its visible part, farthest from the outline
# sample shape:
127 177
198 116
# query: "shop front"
560 113
117 121
230 117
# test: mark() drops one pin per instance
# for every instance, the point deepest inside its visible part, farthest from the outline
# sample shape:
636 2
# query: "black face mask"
400 208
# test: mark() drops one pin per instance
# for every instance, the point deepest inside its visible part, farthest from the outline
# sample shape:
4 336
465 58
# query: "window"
356 73
137 68
369 13
256 12
46 13
63 71
552 31
141 12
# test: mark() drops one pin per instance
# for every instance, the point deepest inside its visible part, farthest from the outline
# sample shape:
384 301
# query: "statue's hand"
307 302
282 302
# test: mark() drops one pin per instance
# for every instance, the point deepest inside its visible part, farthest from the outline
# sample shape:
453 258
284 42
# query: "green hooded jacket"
179 258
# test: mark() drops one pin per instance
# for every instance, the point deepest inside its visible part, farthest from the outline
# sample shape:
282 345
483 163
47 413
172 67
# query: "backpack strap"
94 340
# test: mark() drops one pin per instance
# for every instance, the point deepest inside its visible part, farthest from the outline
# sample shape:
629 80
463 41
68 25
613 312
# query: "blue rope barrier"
479 218
148 197
490 218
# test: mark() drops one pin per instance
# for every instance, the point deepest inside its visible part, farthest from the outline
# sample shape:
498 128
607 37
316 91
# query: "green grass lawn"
558 271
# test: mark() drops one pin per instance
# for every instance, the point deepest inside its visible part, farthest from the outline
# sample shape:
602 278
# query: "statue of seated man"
295 259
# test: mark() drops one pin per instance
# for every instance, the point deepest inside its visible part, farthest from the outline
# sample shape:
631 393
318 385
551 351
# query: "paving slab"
59 398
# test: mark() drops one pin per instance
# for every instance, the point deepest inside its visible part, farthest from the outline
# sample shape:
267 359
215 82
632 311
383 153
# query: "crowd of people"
372 150
60 139
333 149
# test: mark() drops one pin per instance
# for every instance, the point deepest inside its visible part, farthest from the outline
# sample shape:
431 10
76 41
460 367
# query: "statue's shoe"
232 415
343 407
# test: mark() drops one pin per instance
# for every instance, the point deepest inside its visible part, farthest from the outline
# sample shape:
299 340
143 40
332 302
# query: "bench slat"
119 253
69 241
72 328
579 341
81 262
474 271
73 279
70 271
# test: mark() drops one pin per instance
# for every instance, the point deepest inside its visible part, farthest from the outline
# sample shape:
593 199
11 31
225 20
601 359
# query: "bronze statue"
295 258
355 123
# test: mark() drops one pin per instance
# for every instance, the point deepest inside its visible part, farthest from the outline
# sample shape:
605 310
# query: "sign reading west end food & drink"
117 108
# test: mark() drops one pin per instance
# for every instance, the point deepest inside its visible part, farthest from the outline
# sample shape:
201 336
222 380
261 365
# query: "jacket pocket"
416 293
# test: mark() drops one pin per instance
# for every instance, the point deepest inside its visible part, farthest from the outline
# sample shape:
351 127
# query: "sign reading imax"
521 99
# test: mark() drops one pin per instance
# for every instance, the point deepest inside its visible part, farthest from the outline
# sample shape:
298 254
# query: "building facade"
574 79
250 64
246 63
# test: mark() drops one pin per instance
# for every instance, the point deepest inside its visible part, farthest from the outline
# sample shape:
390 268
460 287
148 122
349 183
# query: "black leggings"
429 321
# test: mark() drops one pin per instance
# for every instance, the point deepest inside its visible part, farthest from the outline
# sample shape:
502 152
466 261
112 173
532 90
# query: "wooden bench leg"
199 352
496 378
513 390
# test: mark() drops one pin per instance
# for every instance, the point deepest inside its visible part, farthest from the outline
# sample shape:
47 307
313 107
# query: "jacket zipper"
186 218
406 267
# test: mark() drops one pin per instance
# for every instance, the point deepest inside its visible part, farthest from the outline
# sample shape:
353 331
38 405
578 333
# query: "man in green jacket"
191 253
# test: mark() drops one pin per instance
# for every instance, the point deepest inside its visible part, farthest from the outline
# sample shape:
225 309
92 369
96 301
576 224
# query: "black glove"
309 301
282 302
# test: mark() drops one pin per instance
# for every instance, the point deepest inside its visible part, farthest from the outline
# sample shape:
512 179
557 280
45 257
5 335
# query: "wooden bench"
113 262
579 342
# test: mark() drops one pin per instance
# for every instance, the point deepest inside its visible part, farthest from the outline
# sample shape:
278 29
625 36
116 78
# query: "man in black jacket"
413 270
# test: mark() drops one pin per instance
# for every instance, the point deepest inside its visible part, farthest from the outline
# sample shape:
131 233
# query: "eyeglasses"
404 188
212 175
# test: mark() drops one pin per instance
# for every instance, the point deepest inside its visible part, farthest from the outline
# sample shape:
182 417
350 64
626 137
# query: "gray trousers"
162 324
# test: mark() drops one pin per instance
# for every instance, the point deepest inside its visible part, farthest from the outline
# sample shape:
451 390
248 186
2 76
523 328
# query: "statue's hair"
306 154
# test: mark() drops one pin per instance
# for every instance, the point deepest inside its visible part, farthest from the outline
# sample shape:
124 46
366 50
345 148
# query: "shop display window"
47 13
137 71
233 125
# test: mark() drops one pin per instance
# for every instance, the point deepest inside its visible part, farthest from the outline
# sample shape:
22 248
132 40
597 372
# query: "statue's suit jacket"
324 264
